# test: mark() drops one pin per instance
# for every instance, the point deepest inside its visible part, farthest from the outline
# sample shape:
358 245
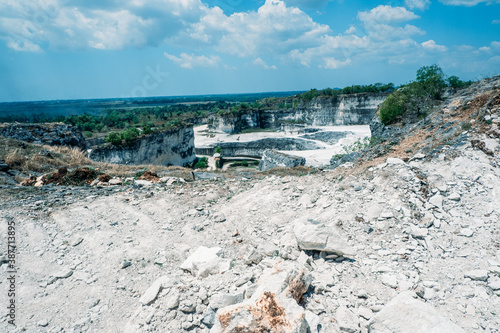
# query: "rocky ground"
408 244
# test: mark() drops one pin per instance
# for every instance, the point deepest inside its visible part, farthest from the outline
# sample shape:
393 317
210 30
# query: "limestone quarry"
403 238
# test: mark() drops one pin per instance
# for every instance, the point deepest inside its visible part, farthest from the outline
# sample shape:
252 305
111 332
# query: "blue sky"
76 49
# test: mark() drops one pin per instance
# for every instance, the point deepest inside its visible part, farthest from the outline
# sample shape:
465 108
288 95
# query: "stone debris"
274 159
313 235
405 314
406 244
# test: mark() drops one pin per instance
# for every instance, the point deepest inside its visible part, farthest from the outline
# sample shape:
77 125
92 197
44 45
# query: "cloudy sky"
72 49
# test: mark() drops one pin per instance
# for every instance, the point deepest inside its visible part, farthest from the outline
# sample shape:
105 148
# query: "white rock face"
405 314
313 235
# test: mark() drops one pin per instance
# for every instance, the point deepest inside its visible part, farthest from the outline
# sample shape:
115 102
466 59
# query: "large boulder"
405 314
314 235
274 159
205 261
274 306
338 160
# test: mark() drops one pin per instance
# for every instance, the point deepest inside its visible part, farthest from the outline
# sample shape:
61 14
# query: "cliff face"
56 134
172 147
356 109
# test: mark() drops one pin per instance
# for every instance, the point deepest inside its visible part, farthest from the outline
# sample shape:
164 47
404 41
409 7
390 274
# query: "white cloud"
274 28
431 45
308 3
386 14
468 3
495 22
262 63
114 25
352 30
190 61
417 4
332 63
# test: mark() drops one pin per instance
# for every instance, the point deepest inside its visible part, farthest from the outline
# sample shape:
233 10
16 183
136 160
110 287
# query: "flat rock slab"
477 275
153 291
313 235
404 314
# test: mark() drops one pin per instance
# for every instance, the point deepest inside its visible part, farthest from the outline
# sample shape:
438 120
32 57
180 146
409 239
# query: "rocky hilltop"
171 147
45 134
403 239
352 109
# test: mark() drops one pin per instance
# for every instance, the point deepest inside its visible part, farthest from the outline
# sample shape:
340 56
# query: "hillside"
404 239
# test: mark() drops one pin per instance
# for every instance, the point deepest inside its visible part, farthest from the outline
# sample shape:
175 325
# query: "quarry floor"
315 158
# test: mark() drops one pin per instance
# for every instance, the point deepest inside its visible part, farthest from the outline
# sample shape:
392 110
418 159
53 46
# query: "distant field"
96 106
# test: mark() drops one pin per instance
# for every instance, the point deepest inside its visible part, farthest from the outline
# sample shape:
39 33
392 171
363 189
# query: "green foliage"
218 150
455 82
202 163
147 129
114 138
392 107
130 134
355 89
358 145
432 79
466 126
415 98
87 134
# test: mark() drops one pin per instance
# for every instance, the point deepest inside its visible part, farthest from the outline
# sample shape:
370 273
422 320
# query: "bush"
147 130
218 150
130 134
202 163
114 138
392 107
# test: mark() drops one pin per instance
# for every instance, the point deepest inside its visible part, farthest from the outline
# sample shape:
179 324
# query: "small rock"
389 281
406 314
394 161
347 320
65 273
126 264
466 232
494 283
219 218
454 196
152 292
222 300
143 183
477 275
208 317
437 201
115 181
43 323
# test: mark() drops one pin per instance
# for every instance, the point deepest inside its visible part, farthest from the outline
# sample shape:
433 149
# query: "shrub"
202 163
147 130
114 138
218 150
392 107
130 134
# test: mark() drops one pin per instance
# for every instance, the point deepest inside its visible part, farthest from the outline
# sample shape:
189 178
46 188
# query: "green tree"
202 163
147 129
130 134
432 79
114 138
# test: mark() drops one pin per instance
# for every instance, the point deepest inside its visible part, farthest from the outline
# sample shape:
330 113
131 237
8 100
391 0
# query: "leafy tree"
130 134
218 150
393 107
147 129
114 138
432 78
202 163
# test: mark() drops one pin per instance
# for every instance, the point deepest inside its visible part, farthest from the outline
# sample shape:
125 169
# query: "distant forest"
120 120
